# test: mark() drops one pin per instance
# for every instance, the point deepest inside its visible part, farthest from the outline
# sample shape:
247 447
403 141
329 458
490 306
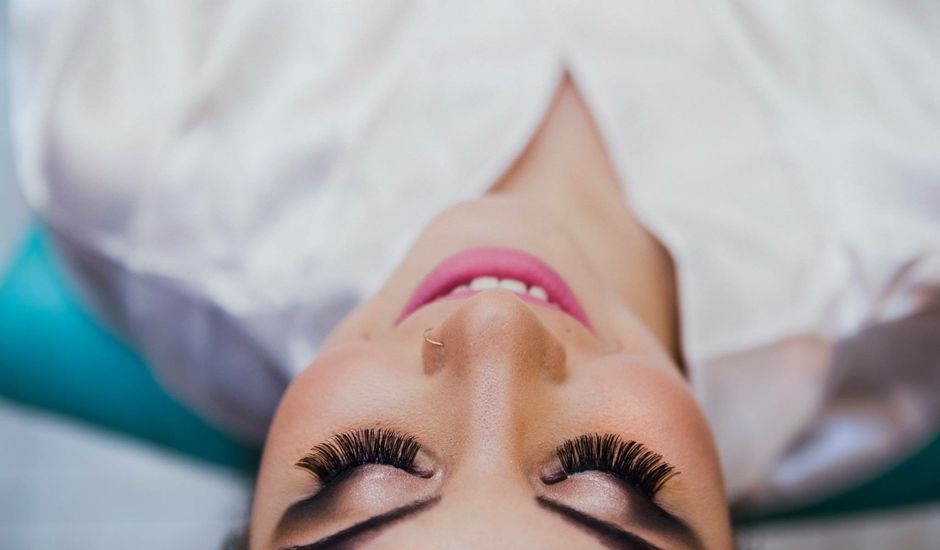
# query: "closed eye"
347 451
630 461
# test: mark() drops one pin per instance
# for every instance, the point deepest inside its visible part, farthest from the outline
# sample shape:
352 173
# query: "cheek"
348 386
341 389
324 388
320 399
654 406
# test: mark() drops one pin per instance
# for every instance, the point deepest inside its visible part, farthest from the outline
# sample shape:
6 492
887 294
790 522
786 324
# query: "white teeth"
538 292
513 285
483 283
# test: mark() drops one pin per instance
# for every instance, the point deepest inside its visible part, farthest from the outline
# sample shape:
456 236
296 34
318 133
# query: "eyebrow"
372 524
606 531
669 525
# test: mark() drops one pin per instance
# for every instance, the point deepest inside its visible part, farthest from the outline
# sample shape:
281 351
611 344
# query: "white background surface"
66 485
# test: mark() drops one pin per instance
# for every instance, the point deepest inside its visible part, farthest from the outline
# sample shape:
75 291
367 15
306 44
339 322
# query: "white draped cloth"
226 180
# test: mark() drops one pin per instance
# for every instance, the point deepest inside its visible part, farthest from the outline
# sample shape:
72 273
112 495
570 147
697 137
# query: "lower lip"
496 262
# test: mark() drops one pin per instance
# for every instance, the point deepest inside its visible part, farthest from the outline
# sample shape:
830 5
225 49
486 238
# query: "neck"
565 168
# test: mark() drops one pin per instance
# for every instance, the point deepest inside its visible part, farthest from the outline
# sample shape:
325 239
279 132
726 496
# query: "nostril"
432 350
431 341
496 331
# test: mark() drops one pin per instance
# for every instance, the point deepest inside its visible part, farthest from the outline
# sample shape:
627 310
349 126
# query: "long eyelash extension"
628 460
346 451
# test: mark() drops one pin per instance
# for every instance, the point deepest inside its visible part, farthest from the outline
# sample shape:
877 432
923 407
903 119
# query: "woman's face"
527 427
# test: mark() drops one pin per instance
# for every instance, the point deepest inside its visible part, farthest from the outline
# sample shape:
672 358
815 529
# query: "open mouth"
479 269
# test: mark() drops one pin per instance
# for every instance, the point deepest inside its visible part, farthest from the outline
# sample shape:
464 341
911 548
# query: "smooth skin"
512 381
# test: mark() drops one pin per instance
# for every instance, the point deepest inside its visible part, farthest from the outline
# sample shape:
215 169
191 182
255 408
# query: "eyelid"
640 491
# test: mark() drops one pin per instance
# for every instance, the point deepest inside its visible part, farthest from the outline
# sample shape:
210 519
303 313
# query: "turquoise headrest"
54 355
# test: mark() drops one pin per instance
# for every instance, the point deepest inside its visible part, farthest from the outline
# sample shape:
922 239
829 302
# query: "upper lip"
463 267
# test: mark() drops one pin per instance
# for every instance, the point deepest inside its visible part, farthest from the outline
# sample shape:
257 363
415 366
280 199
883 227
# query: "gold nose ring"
430 341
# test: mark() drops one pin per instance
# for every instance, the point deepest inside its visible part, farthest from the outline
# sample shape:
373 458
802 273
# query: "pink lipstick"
478 269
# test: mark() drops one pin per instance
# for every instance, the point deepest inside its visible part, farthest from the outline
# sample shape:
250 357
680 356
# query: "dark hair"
237 540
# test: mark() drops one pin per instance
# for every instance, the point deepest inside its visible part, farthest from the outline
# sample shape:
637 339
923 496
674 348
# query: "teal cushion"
912 481
53 355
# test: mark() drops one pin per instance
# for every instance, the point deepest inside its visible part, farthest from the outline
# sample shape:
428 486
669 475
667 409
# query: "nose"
499 364
495 335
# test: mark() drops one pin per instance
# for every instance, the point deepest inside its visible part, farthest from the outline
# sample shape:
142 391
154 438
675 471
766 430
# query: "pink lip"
497 262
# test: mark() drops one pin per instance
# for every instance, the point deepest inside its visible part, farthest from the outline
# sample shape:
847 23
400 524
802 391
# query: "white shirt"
228 179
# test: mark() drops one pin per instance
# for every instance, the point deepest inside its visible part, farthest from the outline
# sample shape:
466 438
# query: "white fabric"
229 178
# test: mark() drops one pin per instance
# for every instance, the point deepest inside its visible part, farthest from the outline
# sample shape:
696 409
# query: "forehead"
485 518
